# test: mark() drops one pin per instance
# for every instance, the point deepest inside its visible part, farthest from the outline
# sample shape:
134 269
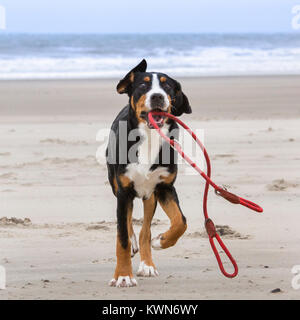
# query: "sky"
151 16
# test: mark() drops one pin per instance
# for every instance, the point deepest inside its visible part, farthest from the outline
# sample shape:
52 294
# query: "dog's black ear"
125 84
180 103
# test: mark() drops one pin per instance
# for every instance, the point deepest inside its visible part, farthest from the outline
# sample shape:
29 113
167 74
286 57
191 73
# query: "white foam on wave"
198 61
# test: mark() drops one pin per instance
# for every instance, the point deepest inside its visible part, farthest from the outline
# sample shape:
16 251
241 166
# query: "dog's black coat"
116 168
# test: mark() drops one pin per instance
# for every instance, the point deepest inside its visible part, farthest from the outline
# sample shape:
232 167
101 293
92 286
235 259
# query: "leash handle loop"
213 246
250 205
212 233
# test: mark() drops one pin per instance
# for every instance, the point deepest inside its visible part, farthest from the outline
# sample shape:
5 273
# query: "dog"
152 180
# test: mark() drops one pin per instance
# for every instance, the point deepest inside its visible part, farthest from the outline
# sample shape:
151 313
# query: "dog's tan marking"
169 179
115 183
132 103
125 181
145 234
122 88
163 79
178 226
129 221
124 267
131 77
170 103
129 225
147 79
139 106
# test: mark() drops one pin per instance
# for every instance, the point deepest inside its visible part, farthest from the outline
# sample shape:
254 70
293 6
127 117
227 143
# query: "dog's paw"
155 242
134 246
123 282
146 271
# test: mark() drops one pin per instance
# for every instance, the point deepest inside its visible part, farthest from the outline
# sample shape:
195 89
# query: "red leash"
209 225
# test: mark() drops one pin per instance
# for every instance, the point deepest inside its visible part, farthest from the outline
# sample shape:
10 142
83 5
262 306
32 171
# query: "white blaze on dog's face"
156 97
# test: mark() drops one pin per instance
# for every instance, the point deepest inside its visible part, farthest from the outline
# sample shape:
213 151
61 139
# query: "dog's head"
149 91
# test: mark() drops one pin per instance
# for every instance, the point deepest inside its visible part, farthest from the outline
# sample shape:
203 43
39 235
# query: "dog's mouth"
158 119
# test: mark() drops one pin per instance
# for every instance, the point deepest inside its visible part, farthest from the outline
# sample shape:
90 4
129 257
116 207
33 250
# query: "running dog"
138 167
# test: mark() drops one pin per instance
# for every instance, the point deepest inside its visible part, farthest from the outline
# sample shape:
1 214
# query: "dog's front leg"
168 200
123 276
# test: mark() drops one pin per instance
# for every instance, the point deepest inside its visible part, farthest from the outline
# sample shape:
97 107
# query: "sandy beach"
61 244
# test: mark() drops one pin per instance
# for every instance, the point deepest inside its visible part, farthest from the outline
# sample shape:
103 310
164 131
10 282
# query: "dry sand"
66 250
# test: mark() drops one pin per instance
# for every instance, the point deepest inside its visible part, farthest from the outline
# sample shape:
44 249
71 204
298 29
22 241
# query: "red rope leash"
209 225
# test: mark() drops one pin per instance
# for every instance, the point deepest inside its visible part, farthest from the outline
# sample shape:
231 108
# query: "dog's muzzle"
157 100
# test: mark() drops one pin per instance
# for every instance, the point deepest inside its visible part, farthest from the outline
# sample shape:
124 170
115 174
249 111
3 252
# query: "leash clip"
231 197
217 192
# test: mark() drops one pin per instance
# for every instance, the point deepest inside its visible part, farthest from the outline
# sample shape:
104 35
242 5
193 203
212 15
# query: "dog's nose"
157 99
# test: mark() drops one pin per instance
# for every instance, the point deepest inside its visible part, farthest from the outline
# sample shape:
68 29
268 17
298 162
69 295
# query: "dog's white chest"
143 178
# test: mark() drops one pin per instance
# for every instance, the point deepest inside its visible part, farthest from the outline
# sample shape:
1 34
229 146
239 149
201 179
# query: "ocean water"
33 56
